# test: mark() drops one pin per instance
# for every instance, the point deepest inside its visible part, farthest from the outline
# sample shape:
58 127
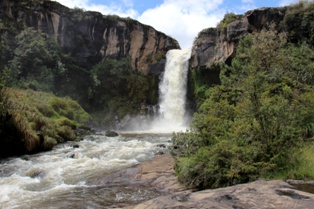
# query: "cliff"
214 45
90 36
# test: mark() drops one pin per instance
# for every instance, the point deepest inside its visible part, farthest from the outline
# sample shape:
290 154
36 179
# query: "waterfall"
173 88
171 114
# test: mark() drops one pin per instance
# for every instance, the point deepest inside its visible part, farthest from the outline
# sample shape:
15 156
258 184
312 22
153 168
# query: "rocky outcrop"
90 36
215 45
256 195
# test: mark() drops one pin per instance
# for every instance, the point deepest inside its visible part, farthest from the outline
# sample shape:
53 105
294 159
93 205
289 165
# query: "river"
69 176
63 177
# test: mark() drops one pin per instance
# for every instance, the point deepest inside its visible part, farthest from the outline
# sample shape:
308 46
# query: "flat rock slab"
260 194
157 173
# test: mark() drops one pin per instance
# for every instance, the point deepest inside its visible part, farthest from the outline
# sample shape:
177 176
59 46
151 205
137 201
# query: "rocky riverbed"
261 194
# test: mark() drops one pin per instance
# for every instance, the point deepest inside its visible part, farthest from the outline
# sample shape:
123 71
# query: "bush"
228 18
250 125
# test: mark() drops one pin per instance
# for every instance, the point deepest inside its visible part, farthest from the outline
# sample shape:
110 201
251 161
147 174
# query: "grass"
41 120
303 168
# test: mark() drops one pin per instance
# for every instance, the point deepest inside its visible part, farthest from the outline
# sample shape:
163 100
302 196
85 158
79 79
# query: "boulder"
111 134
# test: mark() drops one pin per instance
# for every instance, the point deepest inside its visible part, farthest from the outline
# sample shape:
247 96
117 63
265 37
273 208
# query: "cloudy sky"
181 19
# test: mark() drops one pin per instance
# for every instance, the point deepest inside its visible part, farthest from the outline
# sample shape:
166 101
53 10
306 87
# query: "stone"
111 134
261 194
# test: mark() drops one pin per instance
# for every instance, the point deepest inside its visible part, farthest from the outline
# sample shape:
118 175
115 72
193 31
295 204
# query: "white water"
173 88
70 177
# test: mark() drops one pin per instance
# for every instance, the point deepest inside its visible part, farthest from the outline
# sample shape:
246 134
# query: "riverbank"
159 174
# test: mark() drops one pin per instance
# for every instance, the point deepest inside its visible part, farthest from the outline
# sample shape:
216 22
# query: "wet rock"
291 193
72 155
75 146
306 186
157 174
35 173
162 146
112 134
26 158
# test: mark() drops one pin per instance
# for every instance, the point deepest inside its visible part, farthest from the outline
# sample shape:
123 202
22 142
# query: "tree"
35 61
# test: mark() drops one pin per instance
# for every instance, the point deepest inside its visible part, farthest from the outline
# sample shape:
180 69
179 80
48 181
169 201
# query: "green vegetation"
258 122
33 65
117 89
228 18
111 88
31 121
299 21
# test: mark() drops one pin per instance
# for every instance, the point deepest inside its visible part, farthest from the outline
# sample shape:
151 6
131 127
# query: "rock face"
216 45
89 36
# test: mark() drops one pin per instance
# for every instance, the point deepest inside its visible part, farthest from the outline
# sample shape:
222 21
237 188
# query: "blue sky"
180 19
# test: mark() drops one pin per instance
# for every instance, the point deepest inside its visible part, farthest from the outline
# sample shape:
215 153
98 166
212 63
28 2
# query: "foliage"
34 121
200 80
38 63
299 22
35 63
117 89
228 18
251 124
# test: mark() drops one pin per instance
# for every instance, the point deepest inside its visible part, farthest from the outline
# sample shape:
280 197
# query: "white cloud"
128 3
183 19
287 2
104 9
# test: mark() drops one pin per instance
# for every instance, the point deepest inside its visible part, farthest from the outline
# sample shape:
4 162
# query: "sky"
180 19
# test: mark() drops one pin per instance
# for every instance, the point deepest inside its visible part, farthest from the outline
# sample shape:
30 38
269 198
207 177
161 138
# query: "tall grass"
41 120
301 169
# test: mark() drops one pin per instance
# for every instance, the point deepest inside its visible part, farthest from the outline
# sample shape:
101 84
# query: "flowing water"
63 177
173 88
70 175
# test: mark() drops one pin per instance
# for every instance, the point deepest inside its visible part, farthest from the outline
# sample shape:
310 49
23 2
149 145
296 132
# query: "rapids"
63 177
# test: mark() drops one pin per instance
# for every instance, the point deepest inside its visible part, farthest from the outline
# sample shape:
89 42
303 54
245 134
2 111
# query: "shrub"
228 18
250 124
